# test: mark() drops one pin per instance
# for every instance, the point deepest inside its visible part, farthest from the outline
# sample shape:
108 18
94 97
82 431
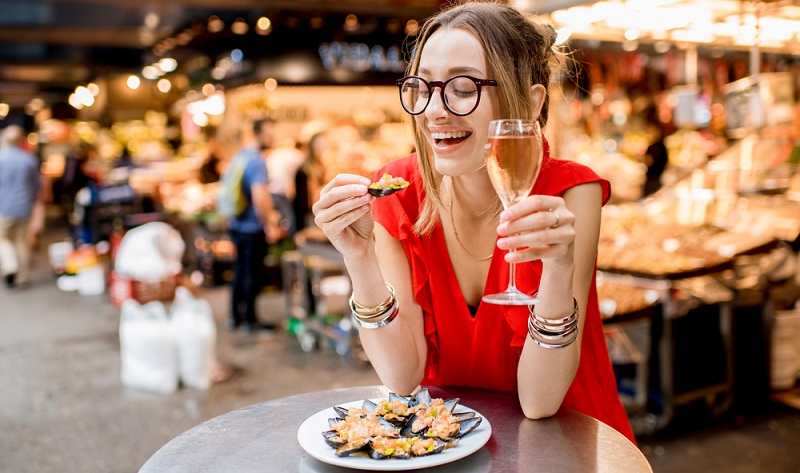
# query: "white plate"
310 437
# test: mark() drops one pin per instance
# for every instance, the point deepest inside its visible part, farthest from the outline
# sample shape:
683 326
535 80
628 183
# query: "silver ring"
558 219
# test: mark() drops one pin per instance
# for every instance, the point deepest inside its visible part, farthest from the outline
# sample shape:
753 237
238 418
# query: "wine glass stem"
512 274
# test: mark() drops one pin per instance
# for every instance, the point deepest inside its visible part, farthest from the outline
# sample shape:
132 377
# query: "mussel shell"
439 446
333 421
408 429
383 192
398 453
451 404
403 399
392 429
341 411
468 425
351 448
422 397
464 415
333 438
369 406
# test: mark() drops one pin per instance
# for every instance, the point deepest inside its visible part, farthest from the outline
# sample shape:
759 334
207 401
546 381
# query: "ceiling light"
351 22
133 82
239 26
237 55
94 89
151 20
631 35
167 64
200 119
215 25
4 108
208 90
411 27
164 85
562 35
316 22
75 101
87 100
270 84
150 72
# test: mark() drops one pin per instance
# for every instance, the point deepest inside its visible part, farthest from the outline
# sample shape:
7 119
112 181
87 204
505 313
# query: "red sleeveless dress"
479 352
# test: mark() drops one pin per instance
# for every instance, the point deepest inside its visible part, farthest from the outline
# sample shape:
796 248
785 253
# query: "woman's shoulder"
558 175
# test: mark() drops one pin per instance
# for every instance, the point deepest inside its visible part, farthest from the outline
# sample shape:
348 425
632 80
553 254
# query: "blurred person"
421 259
251 229
209 170
20 182
656 157
309 179
282 164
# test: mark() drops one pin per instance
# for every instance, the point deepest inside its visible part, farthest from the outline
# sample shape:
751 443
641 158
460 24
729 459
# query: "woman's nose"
436 108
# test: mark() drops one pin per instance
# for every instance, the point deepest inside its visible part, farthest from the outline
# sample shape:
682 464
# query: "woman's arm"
397 351
545 374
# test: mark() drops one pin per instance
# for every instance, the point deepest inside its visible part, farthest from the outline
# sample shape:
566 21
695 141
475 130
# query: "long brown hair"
518 56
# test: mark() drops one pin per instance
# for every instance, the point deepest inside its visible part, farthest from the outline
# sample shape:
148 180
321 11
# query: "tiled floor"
63 408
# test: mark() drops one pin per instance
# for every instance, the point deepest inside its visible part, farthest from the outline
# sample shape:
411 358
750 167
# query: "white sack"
147 348
195 337
150 252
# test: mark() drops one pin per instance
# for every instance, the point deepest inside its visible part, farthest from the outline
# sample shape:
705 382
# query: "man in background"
19 187
251 229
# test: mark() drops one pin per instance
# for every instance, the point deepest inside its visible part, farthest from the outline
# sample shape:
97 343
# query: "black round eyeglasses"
460 94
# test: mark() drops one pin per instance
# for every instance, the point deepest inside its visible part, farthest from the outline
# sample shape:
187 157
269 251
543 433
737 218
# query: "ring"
558 219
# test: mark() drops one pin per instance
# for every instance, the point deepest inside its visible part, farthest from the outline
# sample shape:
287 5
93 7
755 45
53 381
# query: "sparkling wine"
513 164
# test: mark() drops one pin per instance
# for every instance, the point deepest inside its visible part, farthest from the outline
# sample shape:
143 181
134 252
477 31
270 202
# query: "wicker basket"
122 288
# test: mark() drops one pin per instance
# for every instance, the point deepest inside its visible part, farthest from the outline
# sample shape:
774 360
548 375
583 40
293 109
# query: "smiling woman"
417 284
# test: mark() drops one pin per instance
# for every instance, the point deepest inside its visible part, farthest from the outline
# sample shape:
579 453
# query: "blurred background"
133 110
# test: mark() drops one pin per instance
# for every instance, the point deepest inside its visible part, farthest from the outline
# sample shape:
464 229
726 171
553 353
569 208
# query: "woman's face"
457 142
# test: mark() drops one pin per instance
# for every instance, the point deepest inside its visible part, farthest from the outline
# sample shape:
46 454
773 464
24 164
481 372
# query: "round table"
263 437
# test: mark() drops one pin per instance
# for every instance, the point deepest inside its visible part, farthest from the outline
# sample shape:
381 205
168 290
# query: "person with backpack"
245 201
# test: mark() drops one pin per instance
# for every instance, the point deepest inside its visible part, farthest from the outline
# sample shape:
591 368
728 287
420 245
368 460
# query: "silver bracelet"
393 311
554 333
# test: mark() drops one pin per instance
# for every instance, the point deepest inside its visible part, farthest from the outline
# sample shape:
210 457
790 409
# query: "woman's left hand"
539 228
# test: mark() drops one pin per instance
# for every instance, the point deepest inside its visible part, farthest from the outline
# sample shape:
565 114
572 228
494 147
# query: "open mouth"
450 138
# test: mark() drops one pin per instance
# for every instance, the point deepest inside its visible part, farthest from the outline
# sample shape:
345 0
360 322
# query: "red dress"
479 352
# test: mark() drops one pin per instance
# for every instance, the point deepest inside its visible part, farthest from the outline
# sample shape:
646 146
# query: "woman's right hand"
343 212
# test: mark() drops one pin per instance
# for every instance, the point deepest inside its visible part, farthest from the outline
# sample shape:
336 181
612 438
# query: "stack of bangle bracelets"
554 333
375 317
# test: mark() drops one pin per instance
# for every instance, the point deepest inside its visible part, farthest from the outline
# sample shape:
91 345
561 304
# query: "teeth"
450 134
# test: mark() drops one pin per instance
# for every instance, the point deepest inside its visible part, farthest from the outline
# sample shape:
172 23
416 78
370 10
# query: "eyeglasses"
460 94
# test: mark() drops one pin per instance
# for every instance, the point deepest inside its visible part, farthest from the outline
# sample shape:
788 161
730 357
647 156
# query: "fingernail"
505 215
365 181
365 198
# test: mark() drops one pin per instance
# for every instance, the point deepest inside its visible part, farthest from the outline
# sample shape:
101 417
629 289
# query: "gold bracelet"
394 310
371 312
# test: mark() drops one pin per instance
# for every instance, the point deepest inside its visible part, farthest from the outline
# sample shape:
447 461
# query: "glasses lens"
414 93
461 95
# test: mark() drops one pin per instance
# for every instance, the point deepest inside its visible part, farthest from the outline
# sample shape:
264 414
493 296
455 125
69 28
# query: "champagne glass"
513 159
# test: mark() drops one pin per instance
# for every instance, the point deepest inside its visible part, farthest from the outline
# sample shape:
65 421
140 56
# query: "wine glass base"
511 297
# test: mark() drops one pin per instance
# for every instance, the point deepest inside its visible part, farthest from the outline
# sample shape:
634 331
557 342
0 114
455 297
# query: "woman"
308 180
418 282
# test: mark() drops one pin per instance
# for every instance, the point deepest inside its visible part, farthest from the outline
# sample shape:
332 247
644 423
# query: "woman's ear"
538 94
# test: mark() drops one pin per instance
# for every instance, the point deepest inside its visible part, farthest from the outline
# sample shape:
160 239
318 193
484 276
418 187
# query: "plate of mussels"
396 433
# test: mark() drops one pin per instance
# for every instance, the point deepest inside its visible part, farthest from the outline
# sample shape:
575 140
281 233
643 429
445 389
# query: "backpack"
232 201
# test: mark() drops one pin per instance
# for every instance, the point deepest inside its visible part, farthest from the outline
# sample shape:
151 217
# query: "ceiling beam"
103 36
402 8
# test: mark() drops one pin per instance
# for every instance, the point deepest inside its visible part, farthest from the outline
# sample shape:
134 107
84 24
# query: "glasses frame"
433 84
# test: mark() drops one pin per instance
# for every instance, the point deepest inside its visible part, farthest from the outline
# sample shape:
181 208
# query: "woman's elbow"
535 412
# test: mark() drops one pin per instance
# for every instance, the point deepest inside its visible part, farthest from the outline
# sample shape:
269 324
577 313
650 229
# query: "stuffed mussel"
399 427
